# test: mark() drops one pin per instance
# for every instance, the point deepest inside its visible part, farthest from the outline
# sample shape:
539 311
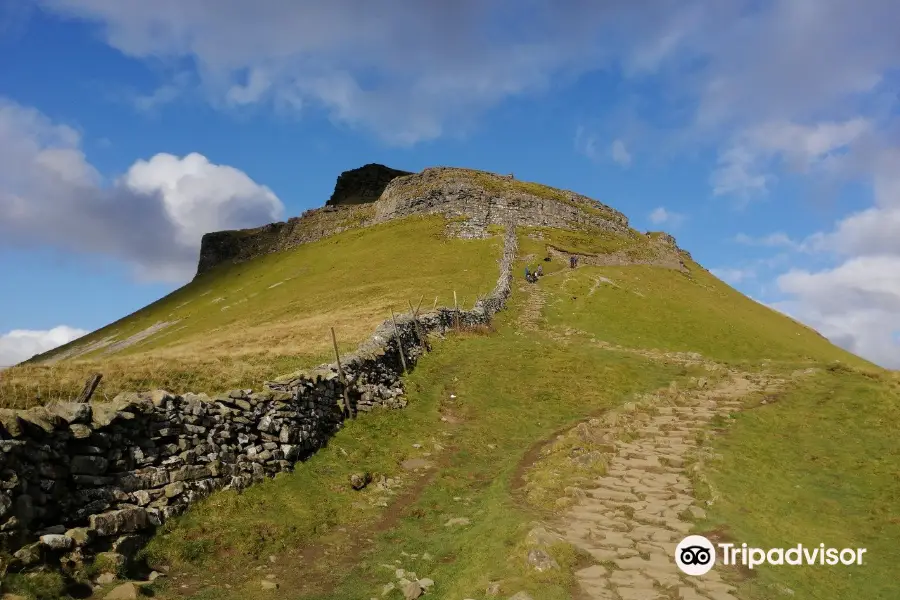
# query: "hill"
556 438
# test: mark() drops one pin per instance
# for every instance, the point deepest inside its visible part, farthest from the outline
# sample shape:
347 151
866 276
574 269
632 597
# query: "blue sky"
763 135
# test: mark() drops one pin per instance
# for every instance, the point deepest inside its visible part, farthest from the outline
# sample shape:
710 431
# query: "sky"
764 135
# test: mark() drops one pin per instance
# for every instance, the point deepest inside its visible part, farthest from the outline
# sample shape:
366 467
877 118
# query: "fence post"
89 387
337 357
455 311
399 341
418 326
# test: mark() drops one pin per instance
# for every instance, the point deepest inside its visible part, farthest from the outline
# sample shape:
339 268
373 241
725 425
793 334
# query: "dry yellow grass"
240 325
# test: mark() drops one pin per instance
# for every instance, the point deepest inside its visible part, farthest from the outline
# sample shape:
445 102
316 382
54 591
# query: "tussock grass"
241 324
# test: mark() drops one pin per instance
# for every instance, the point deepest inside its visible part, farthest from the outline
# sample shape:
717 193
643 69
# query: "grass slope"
502 393
650 307
241 324
820 465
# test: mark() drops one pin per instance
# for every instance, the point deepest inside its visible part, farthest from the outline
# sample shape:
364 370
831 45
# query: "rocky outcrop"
81 482
481 199
362 185
223 247
374 193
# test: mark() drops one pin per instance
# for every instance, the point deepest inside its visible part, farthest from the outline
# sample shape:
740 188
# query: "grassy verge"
498 395
820 465
241 324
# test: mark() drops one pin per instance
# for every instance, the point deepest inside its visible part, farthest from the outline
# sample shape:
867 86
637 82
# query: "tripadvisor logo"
696 555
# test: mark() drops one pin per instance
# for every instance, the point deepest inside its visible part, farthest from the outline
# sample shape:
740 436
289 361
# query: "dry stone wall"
79 482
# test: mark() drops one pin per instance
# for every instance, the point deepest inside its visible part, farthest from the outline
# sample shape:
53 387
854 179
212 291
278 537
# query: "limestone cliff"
362 185
374 193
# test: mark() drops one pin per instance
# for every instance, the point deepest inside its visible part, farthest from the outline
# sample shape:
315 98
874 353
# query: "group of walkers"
532 276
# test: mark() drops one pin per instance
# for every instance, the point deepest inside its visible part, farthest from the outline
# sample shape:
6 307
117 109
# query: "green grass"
241 324
589 241
820 465
652 307
510 392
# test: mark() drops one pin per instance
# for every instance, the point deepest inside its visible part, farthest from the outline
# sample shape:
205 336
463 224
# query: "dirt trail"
631 519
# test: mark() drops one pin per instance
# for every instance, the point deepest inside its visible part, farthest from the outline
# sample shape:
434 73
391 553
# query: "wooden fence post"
89 387
399 341
455 311
337 357
418 326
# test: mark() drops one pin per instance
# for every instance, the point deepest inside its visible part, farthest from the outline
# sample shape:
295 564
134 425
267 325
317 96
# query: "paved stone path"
637 513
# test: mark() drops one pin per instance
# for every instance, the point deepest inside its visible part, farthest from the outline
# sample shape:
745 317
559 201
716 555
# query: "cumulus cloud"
22 344
745 165
662 216
856 304
152 217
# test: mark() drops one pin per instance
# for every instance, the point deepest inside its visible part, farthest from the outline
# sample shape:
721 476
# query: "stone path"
635 515
529 318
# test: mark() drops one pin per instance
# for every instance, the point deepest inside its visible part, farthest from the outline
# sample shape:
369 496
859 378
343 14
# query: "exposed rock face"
90 481
375 193
362 185
488 199
221 247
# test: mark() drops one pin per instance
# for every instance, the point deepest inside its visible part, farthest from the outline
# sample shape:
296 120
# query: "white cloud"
152 217
734 276
22 344
620 153
661 216
745 166
856 304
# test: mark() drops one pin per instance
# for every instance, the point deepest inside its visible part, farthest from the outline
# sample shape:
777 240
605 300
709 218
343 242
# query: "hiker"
571 262
540 271
527 275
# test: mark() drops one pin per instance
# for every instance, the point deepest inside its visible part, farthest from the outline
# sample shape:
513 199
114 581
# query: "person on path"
527 275
540 271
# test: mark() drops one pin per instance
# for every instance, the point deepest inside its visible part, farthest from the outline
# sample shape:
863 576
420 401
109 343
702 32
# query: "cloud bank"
152 217
22 344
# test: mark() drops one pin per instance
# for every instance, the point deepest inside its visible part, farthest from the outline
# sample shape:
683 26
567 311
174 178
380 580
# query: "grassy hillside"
448 500
819 465
240 324
654 308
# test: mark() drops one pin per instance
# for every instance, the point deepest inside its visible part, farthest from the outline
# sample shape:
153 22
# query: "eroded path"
635 515
631 518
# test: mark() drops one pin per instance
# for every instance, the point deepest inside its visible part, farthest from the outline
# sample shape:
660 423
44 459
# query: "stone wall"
79 482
